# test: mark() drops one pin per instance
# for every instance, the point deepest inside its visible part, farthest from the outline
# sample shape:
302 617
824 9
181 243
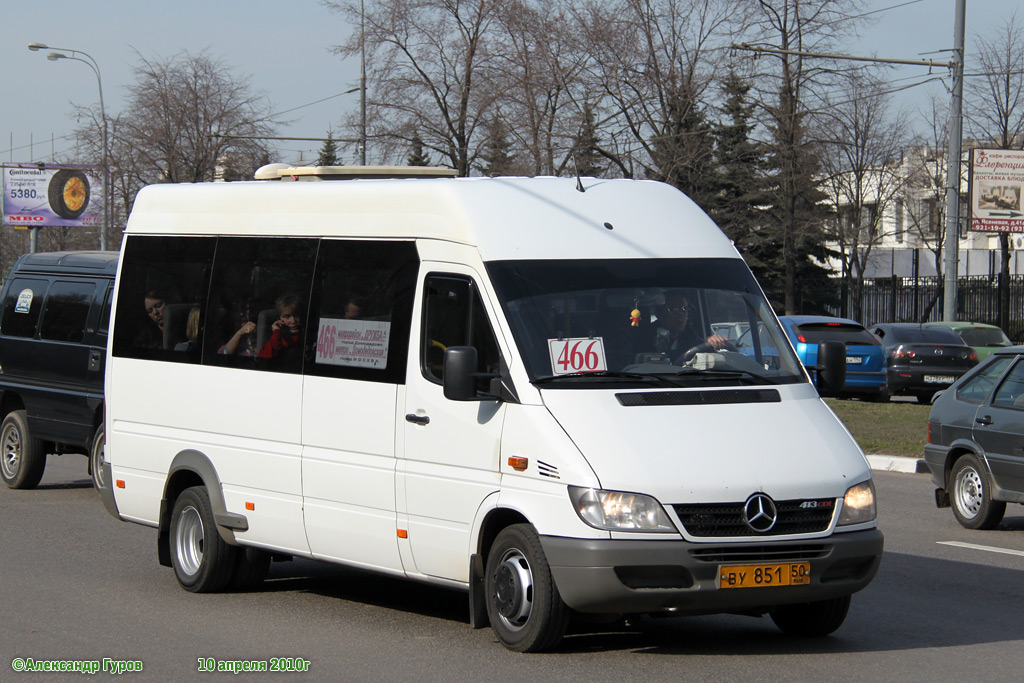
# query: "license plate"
764 575
853 360
938 379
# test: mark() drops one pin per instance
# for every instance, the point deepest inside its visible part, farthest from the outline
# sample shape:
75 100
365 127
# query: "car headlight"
619 511
859 504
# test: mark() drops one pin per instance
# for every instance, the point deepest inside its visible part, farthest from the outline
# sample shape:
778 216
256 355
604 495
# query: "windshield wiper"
607 374
717 374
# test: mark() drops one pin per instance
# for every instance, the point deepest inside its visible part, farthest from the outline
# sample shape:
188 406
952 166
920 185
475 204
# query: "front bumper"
630 577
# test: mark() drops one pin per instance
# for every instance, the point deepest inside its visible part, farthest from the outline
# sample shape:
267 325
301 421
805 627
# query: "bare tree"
863 145
655 61
428 68
183 114
996 115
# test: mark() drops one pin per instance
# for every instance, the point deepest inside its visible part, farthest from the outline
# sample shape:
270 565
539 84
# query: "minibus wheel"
96 458
523 604
812 619
22 458
203 562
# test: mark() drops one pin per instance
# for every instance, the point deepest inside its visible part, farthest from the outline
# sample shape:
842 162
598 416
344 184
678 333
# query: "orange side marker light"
250 506
518 464
403 533
120 483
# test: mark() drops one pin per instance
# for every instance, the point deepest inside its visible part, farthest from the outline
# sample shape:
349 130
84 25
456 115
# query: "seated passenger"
285 343
241 342
151 335
191 332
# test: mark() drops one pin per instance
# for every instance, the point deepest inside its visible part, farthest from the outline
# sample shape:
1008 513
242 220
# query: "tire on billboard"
68 193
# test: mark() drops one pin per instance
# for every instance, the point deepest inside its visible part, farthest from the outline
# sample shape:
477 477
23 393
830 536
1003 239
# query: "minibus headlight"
619 511
859 504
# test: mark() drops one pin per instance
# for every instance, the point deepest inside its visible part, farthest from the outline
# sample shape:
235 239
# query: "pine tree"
682 153
329 152
496 156
585 146
417 157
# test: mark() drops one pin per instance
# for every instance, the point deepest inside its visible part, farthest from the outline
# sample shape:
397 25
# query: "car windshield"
643 321
914 334
983 336
815 333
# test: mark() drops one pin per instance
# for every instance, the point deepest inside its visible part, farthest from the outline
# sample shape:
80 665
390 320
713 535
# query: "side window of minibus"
453 315
361 310
162 285
22 305
259 300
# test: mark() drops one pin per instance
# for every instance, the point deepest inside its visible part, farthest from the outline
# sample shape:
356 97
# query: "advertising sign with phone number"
580 354
36 197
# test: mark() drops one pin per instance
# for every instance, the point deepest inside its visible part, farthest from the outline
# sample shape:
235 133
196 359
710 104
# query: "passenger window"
22 305
977 388
361 310
259 296
1011 392
66 312
453 315
162 280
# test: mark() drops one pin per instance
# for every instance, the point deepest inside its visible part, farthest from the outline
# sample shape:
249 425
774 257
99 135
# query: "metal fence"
900 299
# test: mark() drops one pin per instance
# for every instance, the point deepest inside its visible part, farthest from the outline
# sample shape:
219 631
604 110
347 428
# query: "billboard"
38 195
996 184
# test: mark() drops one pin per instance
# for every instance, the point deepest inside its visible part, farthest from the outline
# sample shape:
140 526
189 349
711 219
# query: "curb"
894 463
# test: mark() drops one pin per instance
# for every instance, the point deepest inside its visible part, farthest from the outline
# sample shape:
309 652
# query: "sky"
283 47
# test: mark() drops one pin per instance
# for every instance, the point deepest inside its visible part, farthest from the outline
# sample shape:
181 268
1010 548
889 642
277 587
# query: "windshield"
983 336
914 334
652 322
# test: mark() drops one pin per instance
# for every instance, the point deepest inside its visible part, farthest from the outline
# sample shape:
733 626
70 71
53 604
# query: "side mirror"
831 367
459 368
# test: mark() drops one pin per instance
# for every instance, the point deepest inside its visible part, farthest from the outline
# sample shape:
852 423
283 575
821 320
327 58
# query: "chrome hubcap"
188 541
513 589
11 462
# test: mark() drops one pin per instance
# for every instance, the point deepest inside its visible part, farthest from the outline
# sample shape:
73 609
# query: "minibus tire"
96 458
517 568
812 619
23 457
202 561
970 495
251 569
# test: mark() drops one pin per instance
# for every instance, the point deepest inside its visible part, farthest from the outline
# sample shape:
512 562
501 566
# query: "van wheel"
251 569
22 458
523 604
203 562
97 458
812 619
971 497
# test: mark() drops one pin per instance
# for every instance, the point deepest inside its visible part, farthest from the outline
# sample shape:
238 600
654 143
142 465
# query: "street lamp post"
91 63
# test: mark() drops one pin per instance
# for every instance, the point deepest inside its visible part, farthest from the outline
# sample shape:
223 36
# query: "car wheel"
881 397
523 604
203 562
22 458
970 495
924 397
811 619
97 458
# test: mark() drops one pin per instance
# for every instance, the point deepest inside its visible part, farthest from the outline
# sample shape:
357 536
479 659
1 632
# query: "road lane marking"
987 548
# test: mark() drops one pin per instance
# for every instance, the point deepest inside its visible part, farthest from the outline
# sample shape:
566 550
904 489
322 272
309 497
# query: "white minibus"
511 386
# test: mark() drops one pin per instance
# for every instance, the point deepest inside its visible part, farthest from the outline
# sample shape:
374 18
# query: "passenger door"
999 430
360 316
451 449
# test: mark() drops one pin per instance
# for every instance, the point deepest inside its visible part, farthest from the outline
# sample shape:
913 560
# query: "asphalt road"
76 584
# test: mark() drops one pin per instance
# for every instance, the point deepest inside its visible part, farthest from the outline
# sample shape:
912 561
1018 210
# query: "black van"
53 340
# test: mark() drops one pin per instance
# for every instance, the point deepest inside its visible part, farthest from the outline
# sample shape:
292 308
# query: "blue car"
865 358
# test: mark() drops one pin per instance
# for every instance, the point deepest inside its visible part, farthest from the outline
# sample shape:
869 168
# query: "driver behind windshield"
673 336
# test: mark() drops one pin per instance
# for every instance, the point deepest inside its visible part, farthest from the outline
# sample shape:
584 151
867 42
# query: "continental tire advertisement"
52 196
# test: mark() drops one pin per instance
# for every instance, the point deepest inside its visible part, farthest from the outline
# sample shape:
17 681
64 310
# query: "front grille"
762 553
726 519
696 398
